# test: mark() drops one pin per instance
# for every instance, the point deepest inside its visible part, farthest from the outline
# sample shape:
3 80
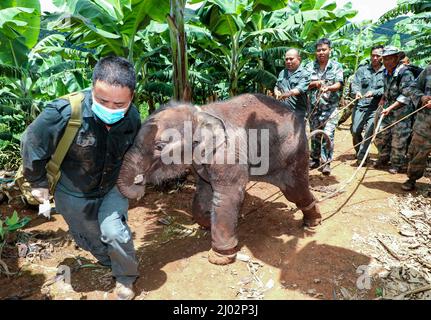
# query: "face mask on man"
107 115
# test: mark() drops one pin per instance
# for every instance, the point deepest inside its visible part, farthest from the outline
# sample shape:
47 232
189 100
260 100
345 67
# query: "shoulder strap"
74 123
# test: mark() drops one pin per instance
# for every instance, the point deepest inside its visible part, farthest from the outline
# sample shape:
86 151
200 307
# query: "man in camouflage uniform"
292 84
420 146
396 103
325 92
346 99
367 86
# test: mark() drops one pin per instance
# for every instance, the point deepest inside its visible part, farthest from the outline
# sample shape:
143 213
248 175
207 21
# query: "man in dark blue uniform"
86 194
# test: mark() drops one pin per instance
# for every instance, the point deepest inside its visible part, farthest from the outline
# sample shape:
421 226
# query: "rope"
336 192
339 111
386 128
318 96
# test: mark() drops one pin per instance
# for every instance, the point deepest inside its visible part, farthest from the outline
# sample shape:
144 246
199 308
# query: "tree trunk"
180 79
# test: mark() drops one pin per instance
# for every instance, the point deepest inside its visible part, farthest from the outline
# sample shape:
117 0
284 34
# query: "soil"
286 260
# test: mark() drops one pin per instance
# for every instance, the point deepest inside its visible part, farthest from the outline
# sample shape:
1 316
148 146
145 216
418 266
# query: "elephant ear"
209 138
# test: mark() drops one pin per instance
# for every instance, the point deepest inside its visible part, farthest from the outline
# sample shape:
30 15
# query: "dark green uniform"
366 79
420 146
392 143
299 79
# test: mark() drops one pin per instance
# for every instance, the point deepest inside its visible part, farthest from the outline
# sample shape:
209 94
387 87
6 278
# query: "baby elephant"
250 137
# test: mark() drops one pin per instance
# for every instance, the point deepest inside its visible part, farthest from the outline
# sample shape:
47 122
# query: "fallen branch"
417 290
5 269
392 253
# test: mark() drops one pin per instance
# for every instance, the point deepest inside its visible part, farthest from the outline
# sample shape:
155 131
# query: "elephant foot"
312 216
311 223
221 258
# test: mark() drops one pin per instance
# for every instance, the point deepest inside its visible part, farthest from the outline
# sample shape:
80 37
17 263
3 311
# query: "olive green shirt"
299 79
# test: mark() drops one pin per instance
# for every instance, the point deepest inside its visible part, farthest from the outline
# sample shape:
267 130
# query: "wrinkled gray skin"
221 187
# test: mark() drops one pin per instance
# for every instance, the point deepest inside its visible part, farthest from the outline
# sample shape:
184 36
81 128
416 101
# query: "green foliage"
379 292
417 24
232 47
11 224
19 30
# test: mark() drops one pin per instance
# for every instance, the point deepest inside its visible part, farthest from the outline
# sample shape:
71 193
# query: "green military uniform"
324 107
366 79
392 143
420 146
299 79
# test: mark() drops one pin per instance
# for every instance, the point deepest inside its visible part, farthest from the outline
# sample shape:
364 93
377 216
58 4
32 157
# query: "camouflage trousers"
362 123
327 121
346 113
420 146
392 143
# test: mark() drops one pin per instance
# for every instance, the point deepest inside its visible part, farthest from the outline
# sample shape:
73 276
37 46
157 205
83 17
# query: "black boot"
409 185
313 164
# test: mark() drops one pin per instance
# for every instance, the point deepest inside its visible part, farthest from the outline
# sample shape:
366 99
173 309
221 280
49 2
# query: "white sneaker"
124 292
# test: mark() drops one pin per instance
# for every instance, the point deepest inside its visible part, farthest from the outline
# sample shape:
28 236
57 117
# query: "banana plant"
19 32
233 29
417 24
182 91
109 26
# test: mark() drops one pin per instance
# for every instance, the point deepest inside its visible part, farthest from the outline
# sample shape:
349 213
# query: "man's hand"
358 96
385 112
277 93
425 100
369 94
324 89
388 110
286 95
40 194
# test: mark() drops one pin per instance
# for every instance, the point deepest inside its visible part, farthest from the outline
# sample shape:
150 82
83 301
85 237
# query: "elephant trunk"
131 182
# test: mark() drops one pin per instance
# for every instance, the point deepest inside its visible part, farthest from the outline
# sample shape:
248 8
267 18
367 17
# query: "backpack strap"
73 125
400 75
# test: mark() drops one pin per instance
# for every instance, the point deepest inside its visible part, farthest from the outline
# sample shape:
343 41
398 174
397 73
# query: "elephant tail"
325 137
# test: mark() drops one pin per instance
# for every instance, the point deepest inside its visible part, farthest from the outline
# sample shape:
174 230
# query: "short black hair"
379 46
323 41
115 71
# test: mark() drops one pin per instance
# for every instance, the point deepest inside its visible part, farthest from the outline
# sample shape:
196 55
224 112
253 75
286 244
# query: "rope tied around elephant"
348 181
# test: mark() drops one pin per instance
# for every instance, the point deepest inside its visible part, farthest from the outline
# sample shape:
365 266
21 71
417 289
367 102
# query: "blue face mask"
107 115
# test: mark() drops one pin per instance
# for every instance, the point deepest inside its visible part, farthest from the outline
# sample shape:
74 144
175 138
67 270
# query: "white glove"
45 209
40 194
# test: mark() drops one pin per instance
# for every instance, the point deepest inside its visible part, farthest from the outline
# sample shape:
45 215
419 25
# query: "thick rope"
386 128
336 192
338 112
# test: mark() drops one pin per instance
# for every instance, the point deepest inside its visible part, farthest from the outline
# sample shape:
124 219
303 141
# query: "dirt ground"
284 260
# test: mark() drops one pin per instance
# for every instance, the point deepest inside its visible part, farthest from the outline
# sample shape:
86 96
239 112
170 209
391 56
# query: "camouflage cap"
390 50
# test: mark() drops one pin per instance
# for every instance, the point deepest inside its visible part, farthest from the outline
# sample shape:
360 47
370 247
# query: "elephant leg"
226 204
201 207
299 193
